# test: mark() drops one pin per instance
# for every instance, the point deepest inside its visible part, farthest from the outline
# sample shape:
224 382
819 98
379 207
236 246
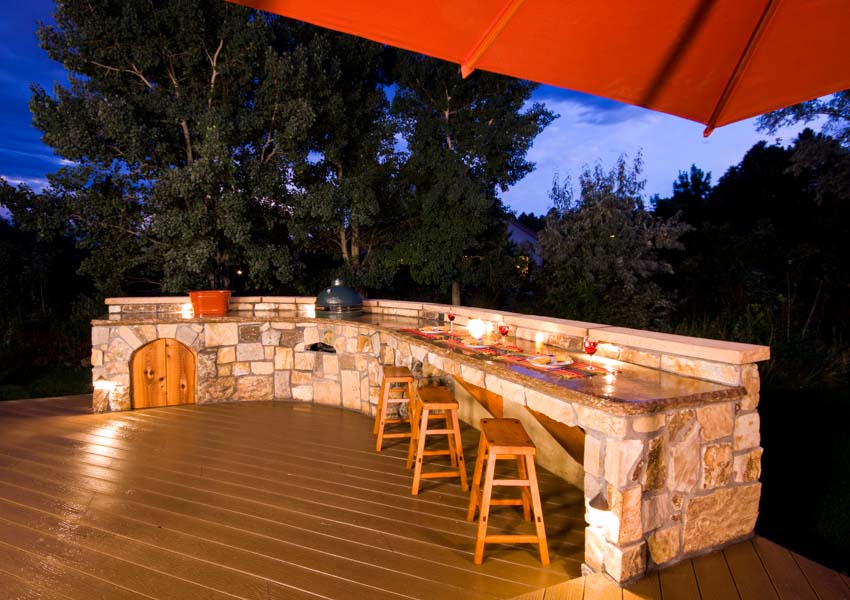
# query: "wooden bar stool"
506 439
393 375
429 399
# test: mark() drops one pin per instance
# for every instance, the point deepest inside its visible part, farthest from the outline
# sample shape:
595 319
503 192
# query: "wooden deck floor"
276 500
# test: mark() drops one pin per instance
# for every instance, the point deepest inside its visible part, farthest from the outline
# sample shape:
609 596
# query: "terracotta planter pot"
210 303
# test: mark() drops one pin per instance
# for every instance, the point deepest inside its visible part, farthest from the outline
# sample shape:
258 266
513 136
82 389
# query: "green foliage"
601 251
834 110
46 308
347 212
534 222
766 262
466 138
194 113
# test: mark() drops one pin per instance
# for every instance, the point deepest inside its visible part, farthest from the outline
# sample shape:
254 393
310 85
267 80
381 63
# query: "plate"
432 329
550 366
473 343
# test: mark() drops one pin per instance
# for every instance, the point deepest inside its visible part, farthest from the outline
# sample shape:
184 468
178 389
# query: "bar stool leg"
384 402
538 511
448 425
420 452
474 498
415 410
381 403
457 450
525 493
485 510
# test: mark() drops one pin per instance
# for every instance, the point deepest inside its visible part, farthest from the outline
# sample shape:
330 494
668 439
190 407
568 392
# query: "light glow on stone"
186 311
539 340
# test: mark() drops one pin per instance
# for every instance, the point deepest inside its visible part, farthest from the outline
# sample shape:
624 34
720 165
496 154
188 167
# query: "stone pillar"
666 486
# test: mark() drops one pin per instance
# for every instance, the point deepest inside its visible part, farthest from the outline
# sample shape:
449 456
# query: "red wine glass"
503 330
451 317
590 344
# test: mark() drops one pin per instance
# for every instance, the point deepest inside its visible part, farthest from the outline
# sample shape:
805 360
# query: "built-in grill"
338 302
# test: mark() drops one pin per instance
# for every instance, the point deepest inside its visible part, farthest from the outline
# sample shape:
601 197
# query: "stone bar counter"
668 451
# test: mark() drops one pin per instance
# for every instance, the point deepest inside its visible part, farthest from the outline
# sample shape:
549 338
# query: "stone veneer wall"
659 487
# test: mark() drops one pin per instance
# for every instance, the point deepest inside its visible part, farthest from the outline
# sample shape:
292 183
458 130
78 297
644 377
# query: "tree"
834 109
348 205
768 260
810 151
466 138
535 223
47 312
600 251
690 195
194 113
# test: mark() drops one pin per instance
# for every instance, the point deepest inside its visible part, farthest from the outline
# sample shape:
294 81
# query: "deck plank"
14 588
599 587
679 582
416 506
47 573
560 519
119 572
569 590
199 493
750 577
646 588
783 570
714 578
244 499
826 582
140 551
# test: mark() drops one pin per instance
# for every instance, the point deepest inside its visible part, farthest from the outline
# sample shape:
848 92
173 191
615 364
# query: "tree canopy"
209 145
466 139
195 114
600 251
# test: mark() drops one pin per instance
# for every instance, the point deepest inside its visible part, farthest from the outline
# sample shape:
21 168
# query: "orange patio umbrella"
711 61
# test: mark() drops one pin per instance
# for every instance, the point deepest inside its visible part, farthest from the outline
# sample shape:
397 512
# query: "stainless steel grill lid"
339 300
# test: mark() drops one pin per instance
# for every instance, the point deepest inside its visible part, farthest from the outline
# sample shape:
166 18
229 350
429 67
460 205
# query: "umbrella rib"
467 65
743 61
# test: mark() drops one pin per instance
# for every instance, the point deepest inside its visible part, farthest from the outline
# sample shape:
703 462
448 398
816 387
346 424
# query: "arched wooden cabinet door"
163 374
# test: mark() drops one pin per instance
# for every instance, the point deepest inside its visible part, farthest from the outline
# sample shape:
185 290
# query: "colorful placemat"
512 357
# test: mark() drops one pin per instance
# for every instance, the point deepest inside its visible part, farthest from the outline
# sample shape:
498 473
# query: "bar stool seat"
506 439
403 395
429 399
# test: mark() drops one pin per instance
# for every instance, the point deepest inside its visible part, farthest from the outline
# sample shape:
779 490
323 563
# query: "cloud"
34 183
589 132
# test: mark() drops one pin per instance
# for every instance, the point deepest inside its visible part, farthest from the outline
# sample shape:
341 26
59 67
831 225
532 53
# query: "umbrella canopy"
711 61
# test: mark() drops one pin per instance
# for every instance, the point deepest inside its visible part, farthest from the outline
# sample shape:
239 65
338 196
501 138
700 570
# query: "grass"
42 382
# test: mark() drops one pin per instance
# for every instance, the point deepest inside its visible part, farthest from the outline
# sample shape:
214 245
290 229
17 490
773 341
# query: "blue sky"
589 129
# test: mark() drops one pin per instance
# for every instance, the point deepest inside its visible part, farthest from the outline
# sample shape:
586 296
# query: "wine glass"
590 344
503 330
451 317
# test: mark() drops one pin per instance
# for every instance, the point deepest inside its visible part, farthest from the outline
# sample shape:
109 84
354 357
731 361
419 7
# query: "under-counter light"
186 311
105 385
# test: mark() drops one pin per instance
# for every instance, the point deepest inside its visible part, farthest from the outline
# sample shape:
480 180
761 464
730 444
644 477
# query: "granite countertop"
627 390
